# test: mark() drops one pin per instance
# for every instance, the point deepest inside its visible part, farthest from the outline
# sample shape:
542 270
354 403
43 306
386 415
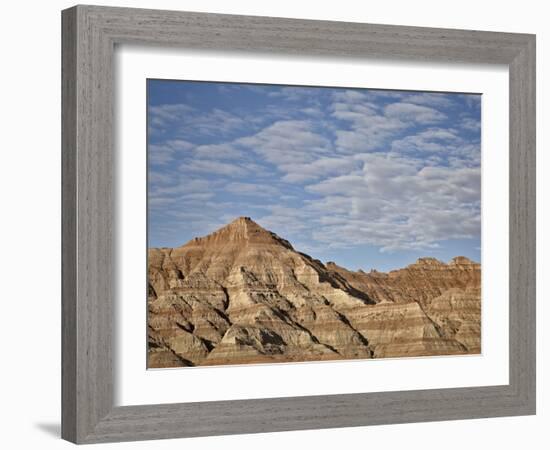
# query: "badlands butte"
244 295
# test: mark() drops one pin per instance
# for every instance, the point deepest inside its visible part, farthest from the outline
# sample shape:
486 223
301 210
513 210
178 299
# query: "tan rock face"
420 282
244 295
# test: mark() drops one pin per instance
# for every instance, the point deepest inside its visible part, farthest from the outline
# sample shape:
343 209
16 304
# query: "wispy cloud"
218 151
398 204
327 168
319 168
409 112
251 189
288 142
187 122
213 167
167 151
470 124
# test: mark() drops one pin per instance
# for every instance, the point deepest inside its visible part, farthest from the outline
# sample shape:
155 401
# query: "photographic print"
296 223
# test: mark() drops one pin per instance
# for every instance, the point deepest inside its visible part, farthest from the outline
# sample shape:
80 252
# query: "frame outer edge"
68 224
523 226
89 415
88 207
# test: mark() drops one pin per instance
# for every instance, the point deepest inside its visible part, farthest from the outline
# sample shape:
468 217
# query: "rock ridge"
242 295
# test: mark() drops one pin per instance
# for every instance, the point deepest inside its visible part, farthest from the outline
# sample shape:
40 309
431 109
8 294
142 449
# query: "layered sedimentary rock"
457 312
447 296
420 282
243 295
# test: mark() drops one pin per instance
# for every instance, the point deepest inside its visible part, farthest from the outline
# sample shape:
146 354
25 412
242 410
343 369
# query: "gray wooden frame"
89 36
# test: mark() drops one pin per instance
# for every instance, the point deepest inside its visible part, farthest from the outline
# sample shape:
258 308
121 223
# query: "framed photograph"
277 224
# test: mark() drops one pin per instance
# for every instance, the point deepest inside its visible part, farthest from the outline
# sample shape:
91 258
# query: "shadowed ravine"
243 295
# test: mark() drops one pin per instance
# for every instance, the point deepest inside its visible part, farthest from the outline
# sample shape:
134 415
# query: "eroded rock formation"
243 295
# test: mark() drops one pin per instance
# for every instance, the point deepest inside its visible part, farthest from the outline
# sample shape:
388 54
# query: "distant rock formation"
243 295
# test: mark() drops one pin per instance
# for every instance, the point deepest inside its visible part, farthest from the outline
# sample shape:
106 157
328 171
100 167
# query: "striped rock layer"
243 295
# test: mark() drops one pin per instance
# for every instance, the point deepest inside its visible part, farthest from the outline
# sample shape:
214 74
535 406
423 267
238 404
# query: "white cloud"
187 121
218 121
159 202
162 195
398 204
213 167
159 154
367 133
257 190
356 170
409 112
473 101
183 187
167 151
286 221
350 96
340 185
330 207
158 178
369 126
161 116
431 140
433 100
299 173
312 111
354 111
287 142
470 124
197 196
295 93
218 151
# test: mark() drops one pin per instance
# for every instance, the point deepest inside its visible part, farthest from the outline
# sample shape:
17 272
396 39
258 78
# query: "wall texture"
30 190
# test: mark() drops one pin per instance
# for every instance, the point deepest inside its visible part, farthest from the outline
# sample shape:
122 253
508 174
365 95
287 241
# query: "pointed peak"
242 230
244 225
242 221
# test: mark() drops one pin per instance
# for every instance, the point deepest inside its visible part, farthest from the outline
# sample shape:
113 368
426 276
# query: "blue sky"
366 178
